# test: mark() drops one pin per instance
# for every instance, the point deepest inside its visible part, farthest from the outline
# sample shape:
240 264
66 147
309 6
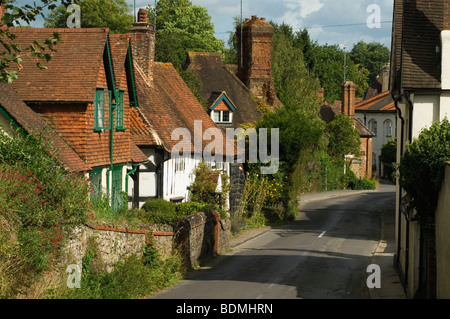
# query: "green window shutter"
101 110
120 111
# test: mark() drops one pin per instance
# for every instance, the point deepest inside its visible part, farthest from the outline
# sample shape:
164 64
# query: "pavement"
391 287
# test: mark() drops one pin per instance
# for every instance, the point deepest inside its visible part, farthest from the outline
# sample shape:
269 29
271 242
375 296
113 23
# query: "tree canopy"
12 55
371 56
114 14
182 27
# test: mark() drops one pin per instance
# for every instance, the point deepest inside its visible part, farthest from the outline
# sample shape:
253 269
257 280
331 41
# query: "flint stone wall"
197 236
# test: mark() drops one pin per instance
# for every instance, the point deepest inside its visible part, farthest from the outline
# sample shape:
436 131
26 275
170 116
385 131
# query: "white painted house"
420 87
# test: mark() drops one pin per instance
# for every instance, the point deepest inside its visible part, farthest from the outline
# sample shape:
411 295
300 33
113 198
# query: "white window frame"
220 113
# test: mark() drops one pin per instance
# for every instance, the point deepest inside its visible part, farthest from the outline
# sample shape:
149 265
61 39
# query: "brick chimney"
254 58
143 44
348 100
2 9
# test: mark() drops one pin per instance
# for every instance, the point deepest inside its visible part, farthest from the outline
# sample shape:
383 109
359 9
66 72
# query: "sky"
334 22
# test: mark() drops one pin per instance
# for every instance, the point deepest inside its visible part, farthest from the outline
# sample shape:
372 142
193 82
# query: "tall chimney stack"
143 44
254 58
348 98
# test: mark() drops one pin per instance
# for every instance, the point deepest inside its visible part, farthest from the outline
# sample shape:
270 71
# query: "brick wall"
197 236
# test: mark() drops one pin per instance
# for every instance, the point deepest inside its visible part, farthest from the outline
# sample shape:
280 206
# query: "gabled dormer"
221 108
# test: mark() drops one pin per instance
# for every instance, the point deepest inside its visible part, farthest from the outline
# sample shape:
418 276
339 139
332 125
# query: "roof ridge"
374 98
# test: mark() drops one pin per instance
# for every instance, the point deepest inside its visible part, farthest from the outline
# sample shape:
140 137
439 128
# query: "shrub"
389 157
204 187
422 169
159 211
355 183
189 208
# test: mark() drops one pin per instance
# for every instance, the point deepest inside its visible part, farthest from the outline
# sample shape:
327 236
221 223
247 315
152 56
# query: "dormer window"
222 117
221 108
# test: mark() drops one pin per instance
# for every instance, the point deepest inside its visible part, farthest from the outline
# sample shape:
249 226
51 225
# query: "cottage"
84 102
165 105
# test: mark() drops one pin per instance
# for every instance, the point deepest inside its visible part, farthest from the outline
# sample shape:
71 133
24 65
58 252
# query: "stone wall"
197 236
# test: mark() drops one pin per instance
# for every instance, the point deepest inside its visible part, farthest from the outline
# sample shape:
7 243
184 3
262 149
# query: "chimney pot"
142 15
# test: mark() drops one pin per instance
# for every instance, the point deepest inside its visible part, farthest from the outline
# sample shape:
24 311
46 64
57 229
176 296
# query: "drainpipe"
399 221
408 219
135 167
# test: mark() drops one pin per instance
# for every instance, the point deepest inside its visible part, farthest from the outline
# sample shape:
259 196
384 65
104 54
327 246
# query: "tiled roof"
328 112
215 76
363 130
168 104
119 44
137 156
415 59
32 122
73 71
382 102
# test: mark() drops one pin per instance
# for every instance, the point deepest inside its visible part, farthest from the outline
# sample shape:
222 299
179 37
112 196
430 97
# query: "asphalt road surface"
323 254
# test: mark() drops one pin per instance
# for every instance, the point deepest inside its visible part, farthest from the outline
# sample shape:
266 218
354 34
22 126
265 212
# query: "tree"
114 14
328 66
371 56
182 27
11 57
292 80
343 137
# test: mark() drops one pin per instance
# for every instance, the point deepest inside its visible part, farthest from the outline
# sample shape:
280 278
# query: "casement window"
222 117
120 111
373 126
180 164
101 110
388 128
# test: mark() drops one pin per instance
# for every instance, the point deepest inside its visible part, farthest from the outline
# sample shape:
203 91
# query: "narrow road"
323 254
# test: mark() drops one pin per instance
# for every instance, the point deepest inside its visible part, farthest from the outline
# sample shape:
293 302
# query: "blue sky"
342 22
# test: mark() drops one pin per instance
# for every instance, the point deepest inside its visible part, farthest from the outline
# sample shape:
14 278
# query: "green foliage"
353 182
292 80
422 169
389 157
371 56
12 56
39 202
159 211
343 137
113 14
133 277
189 208
203 189
182 27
